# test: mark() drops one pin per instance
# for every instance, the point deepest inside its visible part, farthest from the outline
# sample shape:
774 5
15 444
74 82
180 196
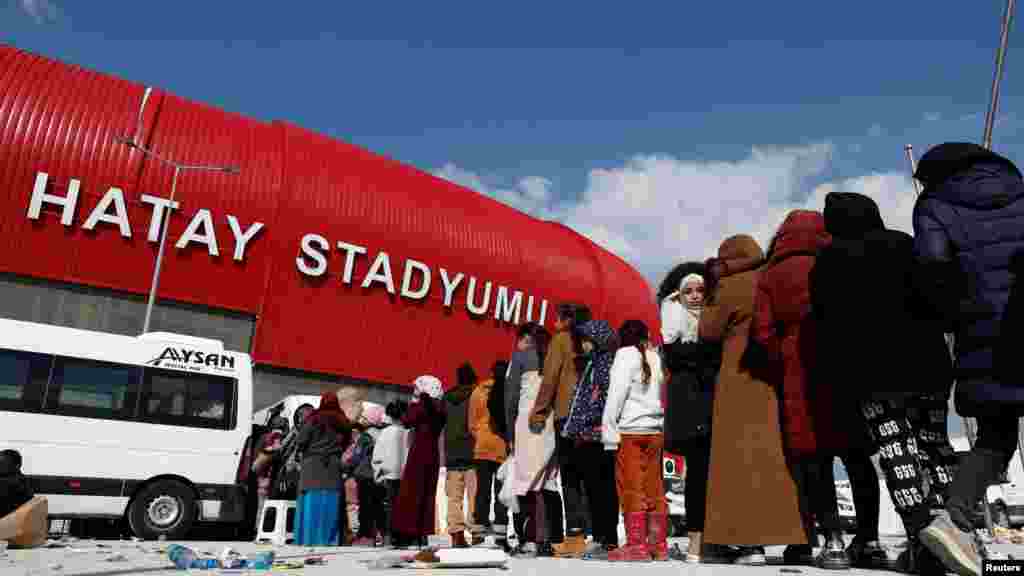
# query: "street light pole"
993 106
164 225
166 222
909 149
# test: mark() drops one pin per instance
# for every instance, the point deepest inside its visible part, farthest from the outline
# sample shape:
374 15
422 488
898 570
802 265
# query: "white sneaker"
956 549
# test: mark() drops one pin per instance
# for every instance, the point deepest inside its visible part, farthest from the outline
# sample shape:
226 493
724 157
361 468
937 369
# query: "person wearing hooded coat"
786 332
693 366
901 375
748 469
319 445
969 238
415 508
583 429
458 450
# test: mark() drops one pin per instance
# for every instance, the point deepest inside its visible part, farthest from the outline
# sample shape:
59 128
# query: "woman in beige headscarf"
752 498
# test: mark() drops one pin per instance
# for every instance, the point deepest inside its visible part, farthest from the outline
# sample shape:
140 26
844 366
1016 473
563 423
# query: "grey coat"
320 449
522 361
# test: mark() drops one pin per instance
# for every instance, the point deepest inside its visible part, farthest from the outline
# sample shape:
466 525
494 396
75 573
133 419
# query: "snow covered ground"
113 558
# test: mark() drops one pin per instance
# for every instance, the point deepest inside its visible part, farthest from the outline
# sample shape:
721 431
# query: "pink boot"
657 536
635 549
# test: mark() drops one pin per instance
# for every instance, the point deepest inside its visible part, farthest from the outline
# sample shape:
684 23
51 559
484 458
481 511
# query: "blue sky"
655 129
529 102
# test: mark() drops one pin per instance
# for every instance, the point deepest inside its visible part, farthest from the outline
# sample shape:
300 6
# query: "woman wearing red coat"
785 329
414 509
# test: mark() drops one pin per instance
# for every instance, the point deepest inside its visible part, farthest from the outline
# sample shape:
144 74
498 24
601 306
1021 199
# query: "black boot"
917 559
798 555
833 555
868 555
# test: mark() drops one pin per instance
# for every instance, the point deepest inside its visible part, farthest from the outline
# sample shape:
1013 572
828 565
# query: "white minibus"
147 429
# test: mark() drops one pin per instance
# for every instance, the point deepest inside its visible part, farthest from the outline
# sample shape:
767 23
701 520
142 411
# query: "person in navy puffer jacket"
969 236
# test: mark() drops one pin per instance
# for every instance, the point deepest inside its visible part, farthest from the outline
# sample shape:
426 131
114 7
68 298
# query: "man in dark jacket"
884 353
969 226
14 487
458 449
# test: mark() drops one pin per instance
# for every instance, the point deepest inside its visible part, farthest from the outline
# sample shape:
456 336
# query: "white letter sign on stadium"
113 210
200 228
313 262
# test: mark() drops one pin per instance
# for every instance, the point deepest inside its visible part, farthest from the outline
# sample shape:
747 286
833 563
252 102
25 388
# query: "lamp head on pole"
129 142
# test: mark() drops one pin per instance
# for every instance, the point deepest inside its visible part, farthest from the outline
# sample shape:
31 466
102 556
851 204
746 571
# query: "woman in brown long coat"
752 498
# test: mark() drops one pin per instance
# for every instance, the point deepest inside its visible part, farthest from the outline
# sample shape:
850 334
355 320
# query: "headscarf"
690 318
687 279
329 413
428 385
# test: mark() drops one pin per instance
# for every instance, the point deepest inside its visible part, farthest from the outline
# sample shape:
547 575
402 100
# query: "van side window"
93 389
23 377
188 399
165 395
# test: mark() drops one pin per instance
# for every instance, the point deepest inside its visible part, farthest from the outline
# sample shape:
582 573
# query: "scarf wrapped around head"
429 386
736 255
330 413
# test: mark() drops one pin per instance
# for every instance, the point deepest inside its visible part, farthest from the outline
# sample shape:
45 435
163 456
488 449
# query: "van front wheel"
164 508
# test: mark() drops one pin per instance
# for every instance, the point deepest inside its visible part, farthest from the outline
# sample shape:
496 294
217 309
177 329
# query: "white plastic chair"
277 522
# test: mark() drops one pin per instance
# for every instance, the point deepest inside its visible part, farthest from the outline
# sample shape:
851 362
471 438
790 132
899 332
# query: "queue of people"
831 343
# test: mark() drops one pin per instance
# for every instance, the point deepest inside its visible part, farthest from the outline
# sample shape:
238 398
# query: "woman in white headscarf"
693 366
413 513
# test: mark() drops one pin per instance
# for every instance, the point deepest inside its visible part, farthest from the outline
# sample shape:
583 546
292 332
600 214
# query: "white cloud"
531 194
656 210
41 11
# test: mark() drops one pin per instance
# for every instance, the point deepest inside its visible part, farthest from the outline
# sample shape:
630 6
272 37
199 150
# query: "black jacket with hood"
878 339
458 439
969 222
693 369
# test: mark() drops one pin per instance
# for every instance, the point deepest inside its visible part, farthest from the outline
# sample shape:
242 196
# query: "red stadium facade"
347 263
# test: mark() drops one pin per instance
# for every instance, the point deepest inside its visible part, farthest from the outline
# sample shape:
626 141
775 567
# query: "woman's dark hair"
671 282
566 311
541 338
465 375
498 372
496 401
634 333
580 317
394 410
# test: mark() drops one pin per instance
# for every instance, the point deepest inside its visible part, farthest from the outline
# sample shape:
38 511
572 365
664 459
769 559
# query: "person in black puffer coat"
883 352
693 367
969 225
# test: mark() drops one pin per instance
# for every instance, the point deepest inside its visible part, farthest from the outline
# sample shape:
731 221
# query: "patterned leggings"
914 453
